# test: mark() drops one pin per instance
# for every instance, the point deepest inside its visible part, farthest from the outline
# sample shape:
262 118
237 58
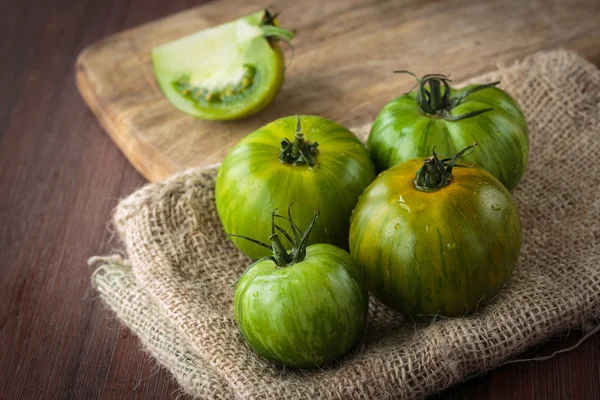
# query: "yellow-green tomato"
310 161
432 240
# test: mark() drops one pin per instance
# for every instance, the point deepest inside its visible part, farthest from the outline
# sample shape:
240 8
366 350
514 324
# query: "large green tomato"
226 72
303 308
309 161
432 240
411 125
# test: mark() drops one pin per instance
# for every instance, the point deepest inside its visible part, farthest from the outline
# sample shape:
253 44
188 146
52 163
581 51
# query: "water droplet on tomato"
403 204
255 294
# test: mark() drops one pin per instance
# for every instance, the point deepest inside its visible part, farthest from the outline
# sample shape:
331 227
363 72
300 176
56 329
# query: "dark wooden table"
60 177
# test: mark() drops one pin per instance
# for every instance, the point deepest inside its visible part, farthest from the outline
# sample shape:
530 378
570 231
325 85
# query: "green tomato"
411 125
435 241
223 73
309 161
302 309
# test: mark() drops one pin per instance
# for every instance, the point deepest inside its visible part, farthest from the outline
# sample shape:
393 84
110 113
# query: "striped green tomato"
304 308
432 240
411 125
310 161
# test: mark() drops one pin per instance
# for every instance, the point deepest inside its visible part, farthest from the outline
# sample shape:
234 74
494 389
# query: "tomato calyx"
273 32
436 173
439 103
300 151
280 256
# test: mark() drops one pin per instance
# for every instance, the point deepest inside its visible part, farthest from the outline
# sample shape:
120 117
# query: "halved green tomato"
223 73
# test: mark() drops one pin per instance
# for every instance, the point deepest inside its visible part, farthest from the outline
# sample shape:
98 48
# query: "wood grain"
60 178
345 52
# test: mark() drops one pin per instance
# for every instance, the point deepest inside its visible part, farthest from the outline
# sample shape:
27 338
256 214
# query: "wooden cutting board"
342 70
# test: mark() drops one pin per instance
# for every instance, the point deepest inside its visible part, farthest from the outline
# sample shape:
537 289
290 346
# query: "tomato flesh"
223 73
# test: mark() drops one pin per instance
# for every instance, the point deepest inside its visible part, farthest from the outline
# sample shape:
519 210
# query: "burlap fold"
172 291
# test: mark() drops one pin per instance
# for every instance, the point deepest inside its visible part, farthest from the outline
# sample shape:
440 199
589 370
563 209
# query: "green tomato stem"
435 95
298 142
272 31
300 248
300 151
436 173
277 32
437 103
280 256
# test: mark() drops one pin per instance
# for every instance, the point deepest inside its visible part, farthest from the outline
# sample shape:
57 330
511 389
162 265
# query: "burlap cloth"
171 289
